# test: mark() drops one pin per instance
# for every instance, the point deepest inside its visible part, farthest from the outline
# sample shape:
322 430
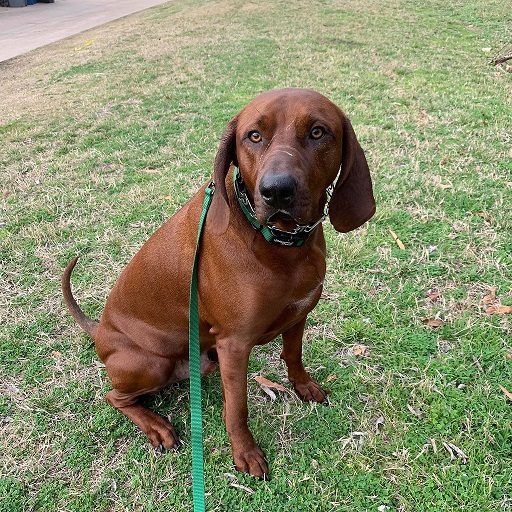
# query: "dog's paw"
161 433
310 391
252 462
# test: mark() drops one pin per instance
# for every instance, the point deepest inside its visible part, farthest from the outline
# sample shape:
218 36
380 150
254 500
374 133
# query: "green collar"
273 235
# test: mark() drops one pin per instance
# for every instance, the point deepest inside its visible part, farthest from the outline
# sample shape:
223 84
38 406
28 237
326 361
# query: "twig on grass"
507 393
501 60
502 57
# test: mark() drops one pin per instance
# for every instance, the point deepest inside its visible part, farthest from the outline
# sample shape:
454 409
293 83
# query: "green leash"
196 420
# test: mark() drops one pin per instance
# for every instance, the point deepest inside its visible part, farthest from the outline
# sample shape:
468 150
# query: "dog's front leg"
233 362
307 388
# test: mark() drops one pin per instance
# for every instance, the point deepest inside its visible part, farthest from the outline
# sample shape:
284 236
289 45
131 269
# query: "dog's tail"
88 325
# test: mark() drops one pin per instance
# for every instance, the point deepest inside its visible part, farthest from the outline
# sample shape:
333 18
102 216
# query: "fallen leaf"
499 308
509 355
490 297
361 350
451 448
262 381
433 296
150 171
269 392
169 198
507 393
397 240
331 378
56 354
433 322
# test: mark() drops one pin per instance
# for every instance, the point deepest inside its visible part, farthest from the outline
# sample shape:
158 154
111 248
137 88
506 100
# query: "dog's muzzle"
273 235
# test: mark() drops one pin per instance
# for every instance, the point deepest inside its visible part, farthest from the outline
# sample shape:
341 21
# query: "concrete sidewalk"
25 28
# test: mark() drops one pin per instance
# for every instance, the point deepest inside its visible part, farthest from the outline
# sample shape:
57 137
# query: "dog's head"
290 146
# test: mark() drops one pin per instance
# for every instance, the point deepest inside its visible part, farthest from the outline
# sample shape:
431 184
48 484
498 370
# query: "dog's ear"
352 202
226 155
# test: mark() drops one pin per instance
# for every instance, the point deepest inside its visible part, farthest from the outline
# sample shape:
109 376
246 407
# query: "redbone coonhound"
283 160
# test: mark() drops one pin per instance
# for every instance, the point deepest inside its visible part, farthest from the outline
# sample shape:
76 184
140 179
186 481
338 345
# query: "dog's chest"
306 302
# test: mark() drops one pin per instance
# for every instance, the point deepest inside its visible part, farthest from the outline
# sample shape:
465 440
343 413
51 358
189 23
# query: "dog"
285 162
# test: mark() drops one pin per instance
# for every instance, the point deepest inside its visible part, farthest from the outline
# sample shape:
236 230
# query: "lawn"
104 135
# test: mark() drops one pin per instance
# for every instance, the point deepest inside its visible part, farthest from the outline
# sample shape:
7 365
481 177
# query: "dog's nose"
278 190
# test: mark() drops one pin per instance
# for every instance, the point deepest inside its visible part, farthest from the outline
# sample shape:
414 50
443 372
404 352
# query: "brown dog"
290 146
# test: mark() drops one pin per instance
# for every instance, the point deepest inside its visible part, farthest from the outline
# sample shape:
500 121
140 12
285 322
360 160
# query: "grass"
100 145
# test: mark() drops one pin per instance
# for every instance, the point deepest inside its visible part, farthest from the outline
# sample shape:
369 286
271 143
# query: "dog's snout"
278 190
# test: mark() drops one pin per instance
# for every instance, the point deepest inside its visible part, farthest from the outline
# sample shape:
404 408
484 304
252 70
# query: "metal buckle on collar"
241 192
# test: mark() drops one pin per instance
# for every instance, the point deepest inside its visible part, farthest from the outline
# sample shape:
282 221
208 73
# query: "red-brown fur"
249 290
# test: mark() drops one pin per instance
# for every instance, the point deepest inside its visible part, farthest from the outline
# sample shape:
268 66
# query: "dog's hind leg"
133 377
158 429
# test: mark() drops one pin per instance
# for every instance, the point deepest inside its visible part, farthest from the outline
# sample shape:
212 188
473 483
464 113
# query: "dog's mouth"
283 221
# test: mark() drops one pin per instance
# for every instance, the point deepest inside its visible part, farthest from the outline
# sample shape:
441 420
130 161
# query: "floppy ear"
226 154
352 202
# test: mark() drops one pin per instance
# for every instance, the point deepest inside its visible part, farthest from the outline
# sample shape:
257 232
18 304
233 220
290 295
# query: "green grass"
80 130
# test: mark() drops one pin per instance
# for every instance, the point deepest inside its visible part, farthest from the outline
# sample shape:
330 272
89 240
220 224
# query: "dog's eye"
317 133
255 137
